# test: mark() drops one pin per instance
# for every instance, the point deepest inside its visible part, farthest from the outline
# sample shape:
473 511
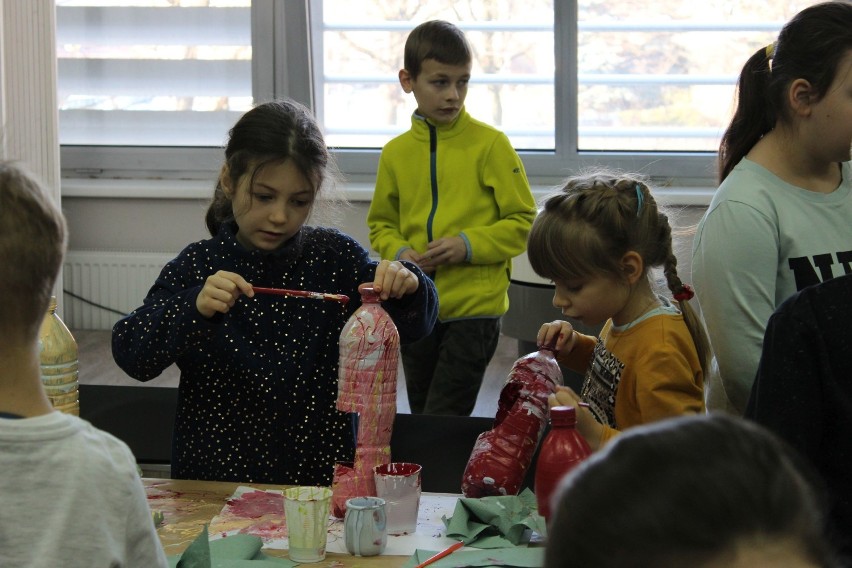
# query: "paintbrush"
303 294
447 551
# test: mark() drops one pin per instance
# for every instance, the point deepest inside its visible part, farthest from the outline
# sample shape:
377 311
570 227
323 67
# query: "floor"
97 367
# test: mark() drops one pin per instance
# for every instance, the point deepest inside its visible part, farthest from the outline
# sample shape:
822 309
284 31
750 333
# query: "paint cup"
306 511
399 485
365 526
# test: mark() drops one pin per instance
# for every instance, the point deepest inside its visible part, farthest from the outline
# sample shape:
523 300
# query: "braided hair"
586 228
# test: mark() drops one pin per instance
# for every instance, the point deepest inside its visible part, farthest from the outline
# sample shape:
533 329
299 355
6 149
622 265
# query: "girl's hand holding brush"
220 292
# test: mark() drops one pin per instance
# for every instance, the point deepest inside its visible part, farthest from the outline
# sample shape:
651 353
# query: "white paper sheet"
430 534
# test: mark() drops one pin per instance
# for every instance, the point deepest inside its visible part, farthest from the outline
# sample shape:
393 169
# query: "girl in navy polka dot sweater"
258 384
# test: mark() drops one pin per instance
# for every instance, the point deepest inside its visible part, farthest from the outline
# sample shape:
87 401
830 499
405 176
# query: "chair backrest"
441 444
142 417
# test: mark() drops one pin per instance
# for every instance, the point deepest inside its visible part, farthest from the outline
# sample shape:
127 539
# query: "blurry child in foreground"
709 491
71 495
803 388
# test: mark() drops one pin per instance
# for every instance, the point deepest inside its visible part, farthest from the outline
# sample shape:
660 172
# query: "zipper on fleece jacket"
433 174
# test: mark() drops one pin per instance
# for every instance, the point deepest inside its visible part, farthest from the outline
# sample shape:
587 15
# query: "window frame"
281 66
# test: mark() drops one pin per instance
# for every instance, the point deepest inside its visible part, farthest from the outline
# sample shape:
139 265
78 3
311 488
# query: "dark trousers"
443 372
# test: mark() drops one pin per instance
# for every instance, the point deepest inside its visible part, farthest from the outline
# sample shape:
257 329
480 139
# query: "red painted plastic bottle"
563 448
369 355
501 456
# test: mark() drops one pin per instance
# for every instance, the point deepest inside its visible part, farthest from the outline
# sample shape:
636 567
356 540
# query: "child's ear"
225 181
405 80
801 97
632 266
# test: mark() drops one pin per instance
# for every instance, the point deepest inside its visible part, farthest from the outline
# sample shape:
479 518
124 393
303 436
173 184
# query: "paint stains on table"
252 511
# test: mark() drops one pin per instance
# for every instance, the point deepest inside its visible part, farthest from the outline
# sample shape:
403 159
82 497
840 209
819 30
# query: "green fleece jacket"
461 179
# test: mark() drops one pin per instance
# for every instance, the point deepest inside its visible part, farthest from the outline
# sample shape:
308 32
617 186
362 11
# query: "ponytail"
755 115
810 47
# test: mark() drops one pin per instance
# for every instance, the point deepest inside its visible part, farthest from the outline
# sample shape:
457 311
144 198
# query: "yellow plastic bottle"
59 364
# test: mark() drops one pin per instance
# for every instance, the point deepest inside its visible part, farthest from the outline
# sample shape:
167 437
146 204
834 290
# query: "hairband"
639 199
686 293
770 50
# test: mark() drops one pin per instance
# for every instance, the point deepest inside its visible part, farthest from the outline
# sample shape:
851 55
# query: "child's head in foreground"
32 245
706 491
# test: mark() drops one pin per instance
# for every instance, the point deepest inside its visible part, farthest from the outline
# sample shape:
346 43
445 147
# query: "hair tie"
686 293
770 50
639 199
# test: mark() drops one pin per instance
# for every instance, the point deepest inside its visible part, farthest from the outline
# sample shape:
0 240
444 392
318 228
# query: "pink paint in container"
398 483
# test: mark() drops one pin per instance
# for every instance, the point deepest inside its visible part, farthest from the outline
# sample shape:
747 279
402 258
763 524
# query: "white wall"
157 225
168 225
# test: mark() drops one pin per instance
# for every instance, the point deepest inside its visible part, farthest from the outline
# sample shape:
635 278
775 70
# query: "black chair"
142 417
442 445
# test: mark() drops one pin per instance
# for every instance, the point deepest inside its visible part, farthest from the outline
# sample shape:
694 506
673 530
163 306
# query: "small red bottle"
563 448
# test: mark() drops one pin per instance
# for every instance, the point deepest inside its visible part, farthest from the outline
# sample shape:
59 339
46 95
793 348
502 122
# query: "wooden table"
188 505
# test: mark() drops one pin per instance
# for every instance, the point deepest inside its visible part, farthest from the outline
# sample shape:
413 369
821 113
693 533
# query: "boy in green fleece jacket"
451 196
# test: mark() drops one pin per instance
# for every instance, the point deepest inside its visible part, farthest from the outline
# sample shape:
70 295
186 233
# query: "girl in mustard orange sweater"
597 240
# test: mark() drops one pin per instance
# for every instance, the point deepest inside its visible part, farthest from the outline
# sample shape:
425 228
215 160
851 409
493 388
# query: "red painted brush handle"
302 294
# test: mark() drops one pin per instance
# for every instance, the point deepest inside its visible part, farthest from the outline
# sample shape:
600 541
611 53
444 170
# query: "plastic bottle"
501 457
369 359
59 365
563 449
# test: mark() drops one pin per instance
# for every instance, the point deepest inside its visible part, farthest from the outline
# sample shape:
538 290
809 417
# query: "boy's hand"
411 255
588 427
447 250
219 293
560 332
394 280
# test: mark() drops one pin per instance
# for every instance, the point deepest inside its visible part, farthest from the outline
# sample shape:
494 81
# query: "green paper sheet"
197 554
236 551
496 522
508 557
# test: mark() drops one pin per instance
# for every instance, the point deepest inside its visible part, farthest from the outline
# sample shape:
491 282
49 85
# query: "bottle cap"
368 295
551 347
563 416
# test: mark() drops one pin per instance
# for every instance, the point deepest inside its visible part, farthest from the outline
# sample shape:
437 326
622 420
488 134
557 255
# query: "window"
660 75
139 79
358 51
149 88
152 76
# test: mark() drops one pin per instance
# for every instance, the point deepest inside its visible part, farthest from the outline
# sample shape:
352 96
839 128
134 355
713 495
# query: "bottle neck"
563 417
549 347
368 294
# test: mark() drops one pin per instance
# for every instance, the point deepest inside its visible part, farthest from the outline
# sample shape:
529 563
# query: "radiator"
116 280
